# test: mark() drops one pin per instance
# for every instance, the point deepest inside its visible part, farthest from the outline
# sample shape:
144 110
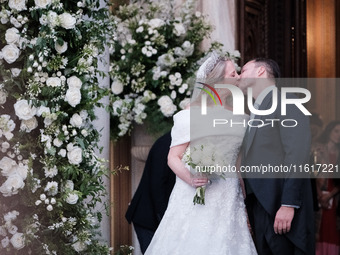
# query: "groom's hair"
271 66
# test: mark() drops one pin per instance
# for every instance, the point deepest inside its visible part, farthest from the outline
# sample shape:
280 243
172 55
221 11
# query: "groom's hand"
283 220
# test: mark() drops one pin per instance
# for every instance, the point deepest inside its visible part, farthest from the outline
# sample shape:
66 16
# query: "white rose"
18 241
84 132
73 96
13 229
29 125
79 246
3 96
5 242
179 29
51 188
69 185
62 153
155 23
53 82
42 3
43 109
49 208
10 216
60 48
67 21
12 185
72 198
117 87
24 110
74 82
12 35
6 165
76 120
18 5
52 19
167 106
10 53
75 155
15 72
57 142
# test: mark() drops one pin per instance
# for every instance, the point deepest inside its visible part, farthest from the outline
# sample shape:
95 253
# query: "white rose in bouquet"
73 96
79 246
18 241
3 96
42 3
167 107
69 185
10 216
5 242
53 82
67 21
60 48
75 155
12 35
29 125
117 87
62 153
51 188
24 110
179 29
22 170
15 72
43 109
7 166
52 19
76 120
10 53
12 185
57 142
12 229
74 82
18 5
72 198
155 23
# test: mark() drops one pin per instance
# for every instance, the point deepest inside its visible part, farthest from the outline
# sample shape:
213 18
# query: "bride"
220 225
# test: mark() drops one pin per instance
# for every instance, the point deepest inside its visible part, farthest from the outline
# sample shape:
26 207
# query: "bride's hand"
198 182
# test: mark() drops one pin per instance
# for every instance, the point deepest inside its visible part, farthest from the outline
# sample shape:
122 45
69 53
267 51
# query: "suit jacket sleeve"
162 178
296 144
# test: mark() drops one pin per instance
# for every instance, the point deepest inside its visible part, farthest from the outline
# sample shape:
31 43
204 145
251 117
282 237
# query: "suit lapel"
264 105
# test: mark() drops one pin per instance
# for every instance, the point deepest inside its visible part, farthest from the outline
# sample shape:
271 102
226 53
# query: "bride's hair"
218 72
215 76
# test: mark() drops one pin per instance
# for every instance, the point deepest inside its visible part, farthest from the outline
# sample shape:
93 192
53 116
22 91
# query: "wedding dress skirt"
220 226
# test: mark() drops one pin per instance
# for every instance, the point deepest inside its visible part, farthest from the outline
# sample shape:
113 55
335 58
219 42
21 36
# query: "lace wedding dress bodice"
219 226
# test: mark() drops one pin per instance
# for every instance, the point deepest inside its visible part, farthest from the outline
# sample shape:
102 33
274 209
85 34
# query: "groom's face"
248 73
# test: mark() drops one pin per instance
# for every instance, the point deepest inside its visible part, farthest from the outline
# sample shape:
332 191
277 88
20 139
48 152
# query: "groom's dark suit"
275 146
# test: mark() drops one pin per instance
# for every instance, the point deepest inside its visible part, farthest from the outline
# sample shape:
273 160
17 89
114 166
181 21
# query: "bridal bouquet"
203 162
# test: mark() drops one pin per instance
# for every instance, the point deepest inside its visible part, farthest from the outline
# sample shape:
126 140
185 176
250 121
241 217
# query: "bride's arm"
178 167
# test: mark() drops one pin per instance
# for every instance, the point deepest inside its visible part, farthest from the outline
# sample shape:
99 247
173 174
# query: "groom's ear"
261 71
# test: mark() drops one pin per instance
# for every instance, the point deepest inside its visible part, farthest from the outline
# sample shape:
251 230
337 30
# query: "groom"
280 209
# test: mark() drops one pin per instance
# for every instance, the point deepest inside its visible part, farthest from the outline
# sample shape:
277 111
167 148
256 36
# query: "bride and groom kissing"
279 209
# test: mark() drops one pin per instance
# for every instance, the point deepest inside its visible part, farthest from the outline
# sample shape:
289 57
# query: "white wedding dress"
220 226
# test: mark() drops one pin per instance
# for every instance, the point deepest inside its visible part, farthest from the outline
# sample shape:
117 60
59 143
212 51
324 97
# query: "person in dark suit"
280 207
152 195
